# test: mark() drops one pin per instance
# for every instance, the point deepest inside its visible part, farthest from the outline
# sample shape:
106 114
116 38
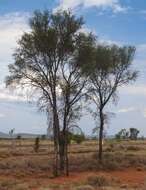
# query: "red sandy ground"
129 176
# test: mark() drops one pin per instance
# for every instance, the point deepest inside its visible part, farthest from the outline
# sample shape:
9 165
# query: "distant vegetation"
124 134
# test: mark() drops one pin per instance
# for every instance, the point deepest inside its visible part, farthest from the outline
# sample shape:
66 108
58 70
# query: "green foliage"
78 138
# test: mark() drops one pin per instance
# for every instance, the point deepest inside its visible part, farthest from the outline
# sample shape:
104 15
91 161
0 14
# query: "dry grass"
24 162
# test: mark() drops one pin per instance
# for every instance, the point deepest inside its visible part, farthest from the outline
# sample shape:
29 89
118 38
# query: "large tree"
109 69
46 61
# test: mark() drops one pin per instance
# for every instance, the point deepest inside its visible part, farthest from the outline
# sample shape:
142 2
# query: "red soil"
130 177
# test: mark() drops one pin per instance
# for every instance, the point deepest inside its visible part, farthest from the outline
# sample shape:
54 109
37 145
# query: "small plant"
98 181
78 138
37 144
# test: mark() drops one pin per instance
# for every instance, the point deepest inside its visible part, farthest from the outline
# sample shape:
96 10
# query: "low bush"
133 148
98 181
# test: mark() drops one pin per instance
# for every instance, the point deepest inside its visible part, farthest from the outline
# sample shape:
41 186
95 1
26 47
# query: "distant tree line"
68 70
132 134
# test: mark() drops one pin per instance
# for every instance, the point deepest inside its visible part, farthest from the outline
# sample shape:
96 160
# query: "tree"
133 133
46 62
19 137
109 69
122 134
11 134
37 144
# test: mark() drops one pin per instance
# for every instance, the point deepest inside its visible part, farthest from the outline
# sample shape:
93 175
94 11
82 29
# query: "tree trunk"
65 142
66 155
101 135
56 141
55 165
62 152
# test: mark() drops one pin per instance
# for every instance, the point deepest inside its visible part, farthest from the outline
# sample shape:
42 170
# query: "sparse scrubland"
123 166
69 70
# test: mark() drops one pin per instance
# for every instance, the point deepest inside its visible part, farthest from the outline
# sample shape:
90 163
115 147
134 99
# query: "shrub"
78 138
98 181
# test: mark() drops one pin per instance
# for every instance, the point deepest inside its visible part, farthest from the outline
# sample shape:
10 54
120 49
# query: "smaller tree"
37 144
11 134
19 137
108 69
134 133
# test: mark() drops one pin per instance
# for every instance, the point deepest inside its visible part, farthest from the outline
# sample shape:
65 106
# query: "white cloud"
105 40
125 110
144 113
103 4
141 49
12 26
134 90
2 115
11 95
138 109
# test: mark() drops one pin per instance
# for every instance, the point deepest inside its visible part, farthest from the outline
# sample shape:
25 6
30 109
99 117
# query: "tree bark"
101 135
56 141
66 154
62 152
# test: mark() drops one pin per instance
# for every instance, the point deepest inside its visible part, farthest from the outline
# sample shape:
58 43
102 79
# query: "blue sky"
113 21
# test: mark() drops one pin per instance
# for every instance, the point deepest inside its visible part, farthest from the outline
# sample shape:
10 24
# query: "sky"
122 22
